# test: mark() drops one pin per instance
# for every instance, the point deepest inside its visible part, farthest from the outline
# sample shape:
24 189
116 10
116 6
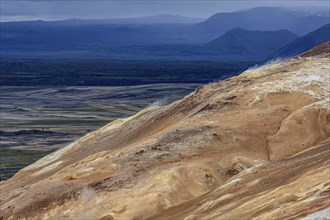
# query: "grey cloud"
54 10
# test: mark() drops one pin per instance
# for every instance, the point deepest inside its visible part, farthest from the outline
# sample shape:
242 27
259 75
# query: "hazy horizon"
63 10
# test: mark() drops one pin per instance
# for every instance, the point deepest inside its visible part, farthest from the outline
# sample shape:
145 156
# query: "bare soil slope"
252 146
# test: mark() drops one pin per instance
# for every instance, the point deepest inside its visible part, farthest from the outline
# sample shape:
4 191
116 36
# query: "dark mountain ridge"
154 19
265 18
310 40
148 38
255 44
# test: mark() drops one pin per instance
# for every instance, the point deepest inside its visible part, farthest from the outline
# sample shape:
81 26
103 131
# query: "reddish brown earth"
255 146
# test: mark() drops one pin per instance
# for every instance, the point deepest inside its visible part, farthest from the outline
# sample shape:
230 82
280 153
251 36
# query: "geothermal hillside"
252 146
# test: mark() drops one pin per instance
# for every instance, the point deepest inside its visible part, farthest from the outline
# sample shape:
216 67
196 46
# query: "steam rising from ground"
160 102
89 199
265 65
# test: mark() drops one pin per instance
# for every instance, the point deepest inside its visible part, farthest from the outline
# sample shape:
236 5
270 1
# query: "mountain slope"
252 146
156 19
279 189
157 37
254 44
266 19
304 43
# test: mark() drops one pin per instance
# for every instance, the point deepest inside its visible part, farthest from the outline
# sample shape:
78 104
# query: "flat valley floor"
38 120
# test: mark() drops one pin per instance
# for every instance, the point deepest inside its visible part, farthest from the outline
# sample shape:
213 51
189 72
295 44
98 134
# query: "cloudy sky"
13 10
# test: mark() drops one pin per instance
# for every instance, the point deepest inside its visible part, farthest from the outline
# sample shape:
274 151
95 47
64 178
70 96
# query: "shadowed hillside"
267 19
304 43
162 37
251 45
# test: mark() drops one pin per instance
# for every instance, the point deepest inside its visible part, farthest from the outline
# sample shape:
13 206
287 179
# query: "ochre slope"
255 145
283 189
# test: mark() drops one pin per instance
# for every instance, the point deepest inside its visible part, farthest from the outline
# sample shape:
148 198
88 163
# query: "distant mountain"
155 19
153 37
266 19
255 44
305 43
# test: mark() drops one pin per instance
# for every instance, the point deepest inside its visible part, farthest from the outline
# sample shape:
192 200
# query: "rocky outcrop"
252 146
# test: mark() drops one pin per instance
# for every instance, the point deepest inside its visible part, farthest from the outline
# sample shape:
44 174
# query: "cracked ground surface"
252 146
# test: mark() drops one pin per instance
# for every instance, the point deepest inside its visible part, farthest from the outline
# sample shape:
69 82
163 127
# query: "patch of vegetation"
12 160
